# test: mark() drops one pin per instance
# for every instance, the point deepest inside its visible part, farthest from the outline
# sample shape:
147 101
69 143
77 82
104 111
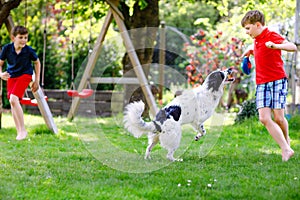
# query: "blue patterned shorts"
272 94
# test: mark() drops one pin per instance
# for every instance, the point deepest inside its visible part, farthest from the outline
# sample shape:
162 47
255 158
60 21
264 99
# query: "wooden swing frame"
114 12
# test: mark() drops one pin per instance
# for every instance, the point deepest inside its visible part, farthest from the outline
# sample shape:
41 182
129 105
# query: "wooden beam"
297 23
45 110
114 80
90 64
114 5
136 65
162 57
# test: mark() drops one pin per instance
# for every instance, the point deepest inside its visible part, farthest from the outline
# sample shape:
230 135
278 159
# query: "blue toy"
246 66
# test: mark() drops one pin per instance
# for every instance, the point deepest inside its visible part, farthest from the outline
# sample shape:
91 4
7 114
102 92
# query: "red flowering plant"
208 53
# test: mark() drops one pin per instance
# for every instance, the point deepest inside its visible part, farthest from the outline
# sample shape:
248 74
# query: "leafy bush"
210 52
248 110
294 122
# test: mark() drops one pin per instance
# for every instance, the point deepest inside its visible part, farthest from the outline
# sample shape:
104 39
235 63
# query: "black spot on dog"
164 114
215 80
174 111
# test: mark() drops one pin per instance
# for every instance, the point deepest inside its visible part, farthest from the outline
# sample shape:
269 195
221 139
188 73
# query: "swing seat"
85 93
25 101
72 93
30 102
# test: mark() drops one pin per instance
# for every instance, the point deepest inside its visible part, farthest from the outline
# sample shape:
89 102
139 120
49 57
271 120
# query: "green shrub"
248 110
294 122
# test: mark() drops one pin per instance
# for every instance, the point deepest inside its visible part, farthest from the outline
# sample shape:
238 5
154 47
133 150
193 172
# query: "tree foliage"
211 50
188 16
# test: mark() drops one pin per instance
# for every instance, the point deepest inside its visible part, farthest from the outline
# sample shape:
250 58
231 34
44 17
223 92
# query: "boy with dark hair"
19 73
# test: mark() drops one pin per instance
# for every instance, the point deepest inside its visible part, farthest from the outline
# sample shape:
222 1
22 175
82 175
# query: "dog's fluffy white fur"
192 106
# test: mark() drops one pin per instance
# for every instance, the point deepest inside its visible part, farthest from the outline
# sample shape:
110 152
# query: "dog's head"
217 79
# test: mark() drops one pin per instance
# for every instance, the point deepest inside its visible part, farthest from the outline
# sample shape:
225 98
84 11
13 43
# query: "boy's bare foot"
287 154
288 140
21 136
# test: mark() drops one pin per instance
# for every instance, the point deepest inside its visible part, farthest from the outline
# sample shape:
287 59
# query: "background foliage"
61 22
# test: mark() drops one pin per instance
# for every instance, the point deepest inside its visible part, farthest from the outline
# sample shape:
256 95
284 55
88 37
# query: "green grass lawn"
96 158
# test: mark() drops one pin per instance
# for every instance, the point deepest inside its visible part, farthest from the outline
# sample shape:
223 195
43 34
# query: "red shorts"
18 85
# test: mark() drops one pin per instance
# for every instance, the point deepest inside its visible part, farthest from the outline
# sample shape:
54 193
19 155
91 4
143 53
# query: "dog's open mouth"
230 79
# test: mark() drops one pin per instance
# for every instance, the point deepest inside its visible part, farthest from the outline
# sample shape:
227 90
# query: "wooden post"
136 64
297 23
162 57
45 110
90 65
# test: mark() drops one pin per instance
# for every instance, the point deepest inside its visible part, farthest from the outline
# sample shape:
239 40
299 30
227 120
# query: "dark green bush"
294 122
248 110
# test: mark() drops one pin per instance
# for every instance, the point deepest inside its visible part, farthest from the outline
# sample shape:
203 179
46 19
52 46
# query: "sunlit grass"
95 158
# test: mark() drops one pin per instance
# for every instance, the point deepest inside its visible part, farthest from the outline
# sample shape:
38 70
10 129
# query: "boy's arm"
3 75
1 64
37 70
285 45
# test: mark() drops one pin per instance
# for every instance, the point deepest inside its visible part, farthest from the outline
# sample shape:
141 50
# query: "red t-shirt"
268 62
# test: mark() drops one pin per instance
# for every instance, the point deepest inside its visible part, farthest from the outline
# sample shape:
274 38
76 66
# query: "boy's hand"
270 45
35 86
4 76
247 52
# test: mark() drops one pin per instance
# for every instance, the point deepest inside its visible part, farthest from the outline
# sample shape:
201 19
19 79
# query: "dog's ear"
214 80
161 116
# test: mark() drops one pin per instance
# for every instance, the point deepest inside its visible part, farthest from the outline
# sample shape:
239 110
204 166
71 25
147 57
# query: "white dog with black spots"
193 106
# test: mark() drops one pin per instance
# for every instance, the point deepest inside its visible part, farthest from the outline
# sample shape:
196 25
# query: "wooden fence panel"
102 103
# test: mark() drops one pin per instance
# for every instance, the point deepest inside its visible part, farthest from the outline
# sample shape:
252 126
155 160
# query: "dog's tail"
133 121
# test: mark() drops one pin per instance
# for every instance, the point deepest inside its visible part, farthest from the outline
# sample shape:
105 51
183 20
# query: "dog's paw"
147 157
171 158
179 160
197 137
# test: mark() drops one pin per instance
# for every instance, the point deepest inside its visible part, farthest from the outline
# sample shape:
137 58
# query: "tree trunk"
142 27
5 8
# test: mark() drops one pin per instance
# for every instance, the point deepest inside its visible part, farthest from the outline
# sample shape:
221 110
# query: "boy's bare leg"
276 132
282 123
18 116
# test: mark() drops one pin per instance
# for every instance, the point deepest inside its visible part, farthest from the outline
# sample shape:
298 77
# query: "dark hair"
253 16
19 30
